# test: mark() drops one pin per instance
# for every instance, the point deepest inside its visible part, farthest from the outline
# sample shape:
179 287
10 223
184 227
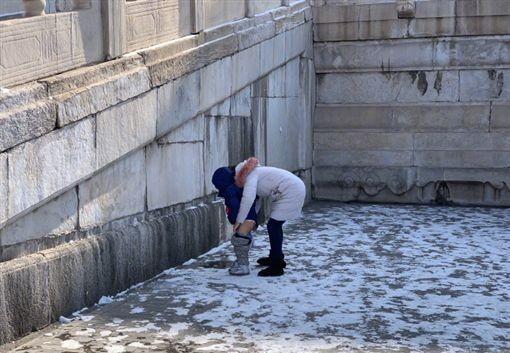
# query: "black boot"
266 261
271 271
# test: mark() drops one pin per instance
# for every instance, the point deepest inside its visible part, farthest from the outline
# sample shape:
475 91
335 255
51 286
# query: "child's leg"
242 241
275 230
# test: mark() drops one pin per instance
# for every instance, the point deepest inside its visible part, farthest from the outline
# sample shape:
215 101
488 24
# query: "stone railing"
58 35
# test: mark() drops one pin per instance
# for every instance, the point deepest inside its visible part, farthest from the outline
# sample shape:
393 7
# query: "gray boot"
242 245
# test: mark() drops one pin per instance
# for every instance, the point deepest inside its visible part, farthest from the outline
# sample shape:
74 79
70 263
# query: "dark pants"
275 230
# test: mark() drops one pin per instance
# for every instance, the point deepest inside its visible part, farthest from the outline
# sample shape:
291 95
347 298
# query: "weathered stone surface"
46 45
411 118
4 187
363 141
115 192
364 158
178 101
259 116
416 86
277 83
175 173
40 168
216 84
479 141
482 85
101 95
267 57
240 104
500 120
26 123
216 151
126 127
279 50
191 131
463 159
59 215
292 77
258 6
215 13
240 140
245 67
255 35
295 41
222 109
150 22
35 290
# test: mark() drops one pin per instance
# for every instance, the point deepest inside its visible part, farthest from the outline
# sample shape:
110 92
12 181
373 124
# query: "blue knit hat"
223 178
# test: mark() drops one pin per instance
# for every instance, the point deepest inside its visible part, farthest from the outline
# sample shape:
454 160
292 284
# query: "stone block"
259 116
58 216
336 14
267 62
256 34
479 8
384 29
245 67
150 22
488 25
31 121
216 151
279 50
295 41
178 102
462 159
432 27
40 168
363 141
474 141
219 12
435 9
292 78
4 187
191 131
77 104
330 32
388 56
240 139
500 117
482 85
240 104
403 117
117 191
363 158
42 46
215 83
276 83
414 86
126 127
258 6
222 109
175 173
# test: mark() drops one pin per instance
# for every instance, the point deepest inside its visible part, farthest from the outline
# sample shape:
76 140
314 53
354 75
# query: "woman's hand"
236 227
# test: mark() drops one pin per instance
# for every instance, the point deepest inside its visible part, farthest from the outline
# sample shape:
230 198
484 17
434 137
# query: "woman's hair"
248 166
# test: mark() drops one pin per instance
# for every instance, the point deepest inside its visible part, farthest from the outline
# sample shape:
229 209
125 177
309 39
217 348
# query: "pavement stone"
360 278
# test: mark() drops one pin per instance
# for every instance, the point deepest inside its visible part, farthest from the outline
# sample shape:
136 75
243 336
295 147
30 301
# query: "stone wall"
105 170
414 109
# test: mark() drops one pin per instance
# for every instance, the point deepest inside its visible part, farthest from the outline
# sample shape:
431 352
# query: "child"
287 195
242 240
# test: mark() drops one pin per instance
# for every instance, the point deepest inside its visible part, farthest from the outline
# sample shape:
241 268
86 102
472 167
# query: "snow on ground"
360 278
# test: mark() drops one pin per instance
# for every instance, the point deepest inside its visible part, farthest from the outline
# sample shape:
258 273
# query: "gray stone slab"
178 102
462 159
267 57
126 127
255 35
292 78
410 118
416 86
4 187
58 216
216 150
500 117
363 158
482 85
480 141
191 131
31 121
222 109
168 166
245 67
40 168
363 141
215 83
276 83
115 192
240 104
240 140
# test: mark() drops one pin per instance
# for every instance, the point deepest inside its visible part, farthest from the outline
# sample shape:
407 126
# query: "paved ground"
360 278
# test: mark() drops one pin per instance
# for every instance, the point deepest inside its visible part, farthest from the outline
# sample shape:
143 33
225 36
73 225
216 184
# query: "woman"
287 195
